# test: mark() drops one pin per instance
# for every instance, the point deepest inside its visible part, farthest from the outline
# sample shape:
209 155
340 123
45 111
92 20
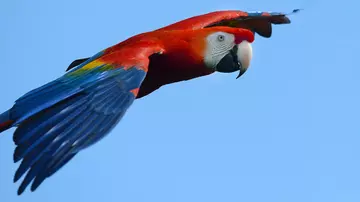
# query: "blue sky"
286 131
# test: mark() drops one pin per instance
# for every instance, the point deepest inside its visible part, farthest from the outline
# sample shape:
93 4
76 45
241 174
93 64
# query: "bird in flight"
56 121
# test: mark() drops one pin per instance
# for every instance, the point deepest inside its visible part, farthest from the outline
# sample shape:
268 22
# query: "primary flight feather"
56 121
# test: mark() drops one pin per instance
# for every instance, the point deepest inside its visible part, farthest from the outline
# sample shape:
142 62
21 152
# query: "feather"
62 125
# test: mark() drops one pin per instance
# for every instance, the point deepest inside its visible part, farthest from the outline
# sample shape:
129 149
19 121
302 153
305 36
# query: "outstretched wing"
259 22
57 120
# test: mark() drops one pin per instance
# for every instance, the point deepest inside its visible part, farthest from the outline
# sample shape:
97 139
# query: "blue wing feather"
60 119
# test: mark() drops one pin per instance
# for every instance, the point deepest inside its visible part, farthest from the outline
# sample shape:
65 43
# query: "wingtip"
17 176
34 187
38 181
294 11
20 190
76 63
5 121
287 20
298 10
284 17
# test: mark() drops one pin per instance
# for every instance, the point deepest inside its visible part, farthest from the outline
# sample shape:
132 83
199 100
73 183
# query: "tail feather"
5 121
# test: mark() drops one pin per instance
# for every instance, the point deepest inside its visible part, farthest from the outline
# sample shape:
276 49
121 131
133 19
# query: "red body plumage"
181 54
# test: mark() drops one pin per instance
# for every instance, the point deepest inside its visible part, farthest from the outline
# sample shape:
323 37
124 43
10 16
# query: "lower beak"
238 59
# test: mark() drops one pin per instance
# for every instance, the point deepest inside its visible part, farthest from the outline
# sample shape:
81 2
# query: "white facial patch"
218 45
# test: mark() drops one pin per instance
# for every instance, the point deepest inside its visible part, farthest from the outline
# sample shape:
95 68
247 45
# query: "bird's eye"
221 38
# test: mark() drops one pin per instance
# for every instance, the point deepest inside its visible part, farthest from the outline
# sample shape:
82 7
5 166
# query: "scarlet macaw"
56 121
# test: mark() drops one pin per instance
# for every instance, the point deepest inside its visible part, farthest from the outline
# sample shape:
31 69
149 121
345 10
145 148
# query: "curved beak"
238 59
244 55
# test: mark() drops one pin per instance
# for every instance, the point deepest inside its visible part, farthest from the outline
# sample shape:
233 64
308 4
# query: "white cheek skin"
216 50
244 53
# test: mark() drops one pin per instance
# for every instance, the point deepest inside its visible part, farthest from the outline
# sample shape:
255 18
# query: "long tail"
5 121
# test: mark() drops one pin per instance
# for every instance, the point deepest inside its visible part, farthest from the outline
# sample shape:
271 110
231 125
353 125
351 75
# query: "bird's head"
224 49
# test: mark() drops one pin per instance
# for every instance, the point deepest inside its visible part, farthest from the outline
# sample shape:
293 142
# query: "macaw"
59 119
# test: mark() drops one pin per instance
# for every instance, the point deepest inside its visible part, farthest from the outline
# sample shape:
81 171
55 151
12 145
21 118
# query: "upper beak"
244 55
238 59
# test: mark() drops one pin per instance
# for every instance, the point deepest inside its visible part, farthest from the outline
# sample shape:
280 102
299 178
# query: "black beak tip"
240 74
241 70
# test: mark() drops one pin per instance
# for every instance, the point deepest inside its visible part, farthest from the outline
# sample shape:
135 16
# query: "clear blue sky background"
288 130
